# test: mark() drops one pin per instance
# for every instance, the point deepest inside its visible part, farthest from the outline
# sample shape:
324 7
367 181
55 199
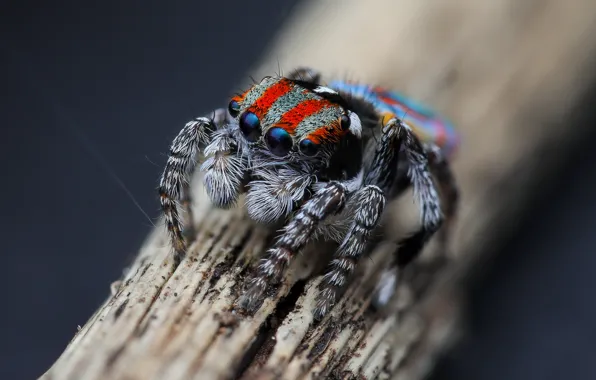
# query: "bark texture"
506 72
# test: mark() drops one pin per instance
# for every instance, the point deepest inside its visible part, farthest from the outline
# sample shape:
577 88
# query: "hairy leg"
442 172
305 74
175 180
398 148
381 169
325 202
370 202
425 193
415 158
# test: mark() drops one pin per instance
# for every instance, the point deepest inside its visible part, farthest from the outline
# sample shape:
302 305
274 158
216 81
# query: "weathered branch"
504 72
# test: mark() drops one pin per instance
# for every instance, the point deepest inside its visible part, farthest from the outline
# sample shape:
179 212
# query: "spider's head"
293 120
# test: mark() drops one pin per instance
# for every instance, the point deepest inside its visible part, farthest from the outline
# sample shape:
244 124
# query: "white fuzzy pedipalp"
272 197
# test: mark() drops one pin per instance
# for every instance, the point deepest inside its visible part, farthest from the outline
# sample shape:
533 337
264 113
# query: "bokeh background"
93 93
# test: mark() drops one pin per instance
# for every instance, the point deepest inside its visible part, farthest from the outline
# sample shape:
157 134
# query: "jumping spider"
321 160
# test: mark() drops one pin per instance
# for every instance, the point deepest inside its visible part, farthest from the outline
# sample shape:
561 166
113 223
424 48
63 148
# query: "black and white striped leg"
175 180
381 170
419 176
382 165
400 148
299 231
442 172
370 203
425 193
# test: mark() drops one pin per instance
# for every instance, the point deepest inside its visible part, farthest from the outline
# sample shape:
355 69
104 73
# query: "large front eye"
279 141
250 125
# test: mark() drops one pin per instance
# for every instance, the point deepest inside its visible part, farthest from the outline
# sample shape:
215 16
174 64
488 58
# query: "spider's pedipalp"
273 197
224 168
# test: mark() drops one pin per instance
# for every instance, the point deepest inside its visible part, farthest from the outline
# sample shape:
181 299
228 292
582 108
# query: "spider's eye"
250 125
344 122
308 147
234 108
279 141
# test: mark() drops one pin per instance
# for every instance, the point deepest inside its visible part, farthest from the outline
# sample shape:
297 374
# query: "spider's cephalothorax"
306 155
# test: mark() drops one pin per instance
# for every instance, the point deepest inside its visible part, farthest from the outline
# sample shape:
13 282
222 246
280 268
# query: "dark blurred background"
92 95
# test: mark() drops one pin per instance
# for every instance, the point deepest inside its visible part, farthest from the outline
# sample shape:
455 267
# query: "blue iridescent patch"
426 124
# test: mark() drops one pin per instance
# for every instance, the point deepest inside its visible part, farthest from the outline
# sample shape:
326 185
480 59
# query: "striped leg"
441 170
380 172
296 234
175 180
424 192
420 165
370 201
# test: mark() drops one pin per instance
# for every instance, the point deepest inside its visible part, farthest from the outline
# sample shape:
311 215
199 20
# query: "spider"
322 161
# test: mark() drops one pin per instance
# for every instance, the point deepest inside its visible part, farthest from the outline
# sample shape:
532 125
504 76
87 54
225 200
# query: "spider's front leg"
299 231
175 180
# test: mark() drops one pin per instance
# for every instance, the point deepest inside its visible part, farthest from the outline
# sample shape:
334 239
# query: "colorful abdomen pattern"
426 124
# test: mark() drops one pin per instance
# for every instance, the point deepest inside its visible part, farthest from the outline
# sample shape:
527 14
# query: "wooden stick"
505 72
